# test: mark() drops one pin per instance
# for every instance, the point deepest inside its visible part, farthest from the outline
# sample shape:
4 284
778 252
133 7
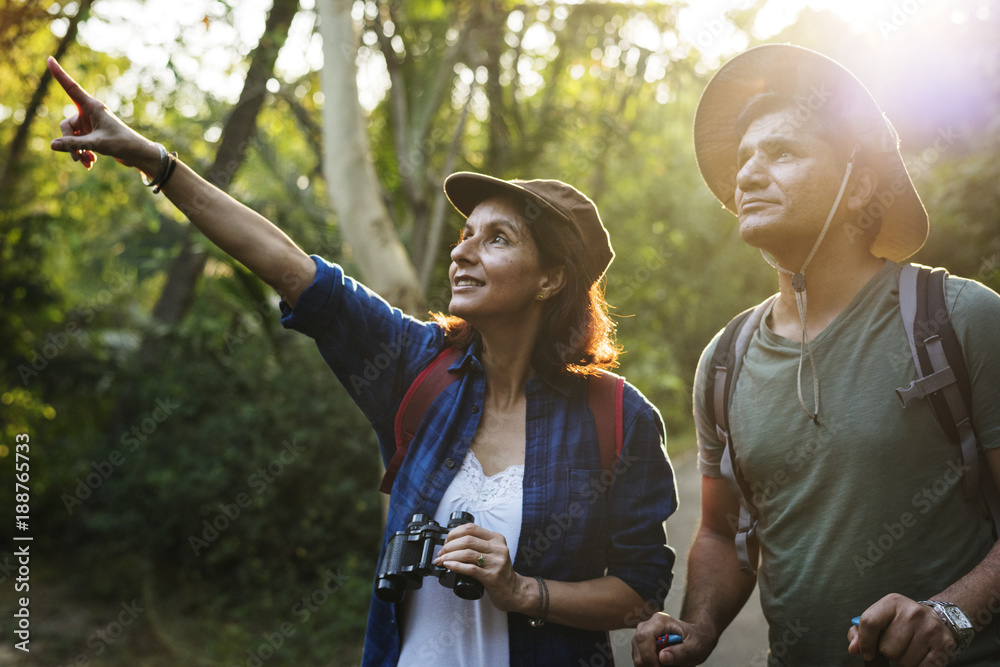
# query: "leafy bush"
234 464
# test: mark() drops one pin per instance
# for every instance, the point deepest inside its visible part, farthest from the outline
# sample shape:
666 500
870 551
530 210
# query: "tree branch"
440 211
398 105
186 268
445 76
498 147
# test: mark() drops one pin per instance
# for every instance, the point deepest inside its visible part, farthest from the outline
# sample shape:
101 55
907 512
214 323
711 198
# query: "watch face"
957 617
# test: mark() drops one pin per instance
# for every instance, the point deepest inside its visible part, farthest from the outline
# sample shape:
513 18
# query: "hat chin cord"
799 285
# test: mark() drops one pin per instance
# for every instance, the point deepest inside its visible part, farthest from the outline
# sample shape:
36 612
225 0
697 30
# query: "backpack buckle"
927 385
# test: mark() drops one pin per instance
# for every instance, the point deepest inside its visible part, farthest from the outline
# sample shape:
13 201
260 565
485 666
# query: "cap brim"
466 190
784 68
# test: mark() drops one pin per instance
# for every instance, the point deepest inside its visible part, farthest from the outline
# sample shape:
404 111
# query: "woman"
564 553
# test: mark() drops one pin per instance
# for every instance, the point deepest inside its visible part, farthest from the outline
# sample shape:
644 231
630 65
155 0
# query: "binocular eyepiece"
409 558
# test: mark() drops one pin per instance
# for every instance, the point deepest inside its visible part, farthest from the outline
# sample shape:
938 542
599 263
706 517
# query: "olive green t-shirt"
869 501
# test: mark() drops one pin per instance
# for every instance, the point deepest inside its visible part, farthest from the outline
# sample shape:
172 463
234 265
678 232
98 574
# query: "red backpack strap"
418 398
605 397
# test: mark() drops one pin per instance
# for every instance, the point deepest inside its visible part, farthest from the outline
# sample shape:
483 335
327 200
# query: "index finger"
469 529
72 88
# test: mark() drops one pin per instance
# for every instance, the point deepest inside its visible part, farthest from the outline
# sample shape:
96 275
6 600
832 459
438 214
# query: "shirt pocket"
585 517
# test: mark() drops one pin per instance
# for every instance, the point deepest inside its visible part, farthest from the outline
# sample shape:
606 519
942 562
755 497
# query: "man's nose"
752 175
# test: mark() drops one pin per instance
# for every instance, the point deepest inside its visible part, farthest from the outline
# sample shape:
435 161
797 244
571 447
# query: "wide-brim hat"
534 199
818 81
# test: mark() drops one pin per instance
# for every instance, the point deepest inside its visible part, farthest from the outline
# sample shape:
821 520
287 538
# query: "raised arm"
241 232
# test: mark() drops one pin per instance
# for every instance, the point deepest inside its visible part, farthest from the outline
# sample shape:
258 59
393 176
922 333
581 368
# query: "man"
859 502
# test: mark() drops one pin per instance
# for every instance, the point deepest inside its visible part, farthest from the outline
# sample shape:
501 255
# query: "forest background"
202 490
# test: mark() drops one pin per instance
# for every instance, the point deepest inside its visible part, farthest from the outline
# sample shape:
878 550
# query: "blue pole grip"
663 641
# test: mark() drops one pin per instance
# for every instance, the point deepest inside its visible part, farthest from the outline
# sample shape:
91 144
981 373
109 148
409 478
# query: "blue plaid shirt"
577 524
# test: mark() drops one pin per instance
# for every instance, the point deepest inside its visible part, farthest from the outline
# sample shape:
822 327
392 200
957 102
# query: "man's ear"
553 281
863 186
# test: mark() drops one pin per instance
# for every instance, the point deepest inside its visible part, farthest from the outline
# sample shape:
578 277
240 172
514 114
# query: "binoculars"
409 558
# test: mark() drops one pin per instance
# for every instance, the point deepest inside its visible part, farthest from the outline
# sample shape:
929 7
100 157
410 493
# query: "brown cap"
466 190
788 69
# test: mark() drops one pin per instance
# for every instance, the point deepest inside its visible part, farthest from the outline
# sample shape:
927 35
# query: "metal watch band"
956 620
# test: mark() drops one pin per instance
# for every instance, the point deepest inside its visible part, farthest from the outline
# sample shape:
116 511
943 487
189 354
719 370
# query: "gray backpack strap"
942 377
908 309
963 422
747 543
934 373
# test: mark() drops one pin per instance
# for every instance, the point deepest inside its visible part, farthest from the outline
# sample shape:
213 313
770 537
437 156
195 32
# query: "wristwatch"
956 620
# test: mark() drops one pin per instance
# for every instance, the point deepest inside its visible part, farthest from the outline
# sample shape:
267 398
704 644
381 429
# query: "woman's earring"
541 295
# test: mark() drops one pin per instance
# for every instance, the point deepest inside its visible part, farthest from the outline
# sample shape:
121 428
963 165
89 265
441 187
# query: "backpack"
605 398
943 379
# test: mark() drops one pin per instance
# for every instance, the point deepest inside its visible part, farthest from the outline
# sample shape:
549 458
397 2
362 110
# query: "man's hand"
904 631
694 650
94 129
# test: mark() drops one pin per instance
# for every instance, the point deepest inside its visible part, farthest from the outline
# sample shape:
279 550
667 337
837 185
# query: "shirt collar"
562 383
469 360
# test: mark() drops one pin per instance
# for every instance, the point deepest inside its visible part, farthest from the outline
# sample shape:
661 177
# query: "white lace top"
439 628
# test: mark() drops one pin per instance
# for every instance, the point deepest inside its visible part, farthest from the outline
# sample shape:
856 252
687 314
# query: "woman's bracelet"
168 162
543 604
172 164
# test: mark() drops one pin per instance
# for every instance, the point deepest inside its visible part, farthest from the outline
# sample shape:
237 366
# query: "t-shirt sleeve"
975 315
710 448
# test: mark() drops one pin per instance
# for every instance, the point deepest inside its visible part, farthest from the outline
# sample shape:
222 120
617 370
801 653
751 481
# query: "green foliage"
242 471
123 495
137 462
962 192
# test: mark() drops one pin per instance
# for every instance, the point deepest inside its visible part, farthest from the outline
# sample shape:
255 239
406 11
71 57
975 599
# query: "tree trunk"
351 182
441 207
186 268
498 156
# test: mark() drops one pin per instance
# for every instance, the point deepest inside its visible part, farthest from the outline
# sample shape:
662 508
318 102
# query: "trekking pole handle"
879 660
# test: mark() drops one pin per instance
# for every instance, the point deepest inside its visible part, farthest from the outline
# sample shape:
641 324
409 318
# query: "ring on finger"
481 561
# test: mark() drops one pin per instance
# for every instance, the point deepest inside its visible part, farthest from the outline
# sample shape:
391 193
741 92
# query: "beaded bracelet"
543 604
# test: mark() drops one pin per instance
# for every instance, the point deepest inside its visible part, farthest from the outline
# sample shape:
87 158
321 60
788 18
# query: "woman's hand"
603 603
94 129
239 231
461 553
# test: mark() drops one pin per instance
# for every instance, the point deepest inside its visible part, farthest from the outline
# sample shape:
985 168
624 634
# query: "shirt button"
449 463
475 409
